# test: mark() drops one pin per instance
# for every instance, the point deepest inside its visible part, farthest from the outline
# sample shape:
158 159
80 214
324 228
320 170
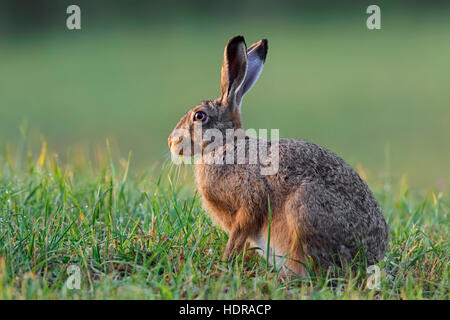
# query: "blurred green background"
380 99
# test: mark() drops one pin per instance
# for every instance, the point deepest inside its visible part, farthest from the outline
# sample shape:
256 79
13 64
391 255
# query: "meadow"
133 223
145 236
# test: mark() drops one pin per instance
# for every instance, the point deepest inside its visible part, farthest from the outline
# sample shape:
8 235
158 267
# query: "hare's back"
305 162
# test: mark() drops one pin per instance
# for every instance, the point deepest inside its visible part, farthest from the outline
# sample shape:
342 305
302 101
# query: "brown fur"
319 206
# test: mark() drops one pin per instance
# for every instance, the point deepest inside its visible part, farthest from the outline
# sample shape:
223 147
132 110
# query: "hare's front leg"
244 225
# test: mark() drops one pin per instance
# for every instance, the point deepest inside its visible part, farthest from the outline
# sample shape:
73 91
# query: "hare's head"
241 68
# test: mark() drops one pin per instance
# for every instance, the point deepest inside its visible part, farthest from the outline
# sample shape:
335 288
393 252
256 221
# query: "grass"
377 98
144 235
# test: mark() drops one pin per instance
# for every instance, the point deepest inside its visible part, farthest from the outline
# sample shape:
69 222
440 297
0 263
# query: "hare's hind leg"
295 260
286 250
305 240
319 218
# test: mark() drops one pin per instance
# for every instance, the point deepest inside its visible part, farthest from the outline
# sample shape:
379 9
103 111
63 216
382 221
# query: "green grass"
136 229
145 235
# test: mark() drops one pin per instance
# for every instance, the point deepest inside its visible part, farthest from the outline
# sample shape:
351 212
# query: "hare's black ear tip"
260 48
236 40
265 48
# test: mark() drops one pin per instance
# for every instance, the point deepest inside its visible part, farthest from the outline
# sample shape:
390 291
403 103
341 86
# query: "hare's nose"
170 142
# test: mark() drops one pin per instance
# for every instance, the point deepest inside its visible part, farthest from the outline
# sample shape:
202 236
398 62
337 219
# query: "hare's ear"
256 56
234 67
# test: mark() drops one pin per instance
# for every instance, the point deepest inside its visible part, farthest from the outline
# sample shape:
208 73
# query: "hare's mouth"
179 148
176 148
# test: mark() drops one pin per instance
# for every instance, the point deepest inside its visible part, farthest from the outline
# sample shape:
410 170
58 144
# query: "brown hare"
321 211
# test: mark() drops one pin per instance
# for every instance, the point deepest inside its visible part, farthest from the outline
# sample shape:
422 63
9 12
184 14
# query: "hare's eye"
200 116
